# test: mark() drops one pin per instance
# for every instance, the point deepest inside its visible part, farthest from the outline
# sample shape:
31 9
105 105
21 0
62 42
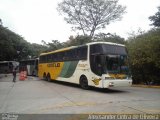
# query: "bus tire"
44 76
48 77
84 82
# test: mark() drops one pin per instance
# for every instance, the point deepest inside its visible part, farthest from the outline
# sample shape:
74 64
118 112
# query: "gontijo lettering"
53 65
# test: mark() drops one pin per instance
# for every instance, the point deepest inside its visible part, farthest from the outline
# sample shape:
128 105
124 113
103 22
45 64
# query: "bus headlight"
111 84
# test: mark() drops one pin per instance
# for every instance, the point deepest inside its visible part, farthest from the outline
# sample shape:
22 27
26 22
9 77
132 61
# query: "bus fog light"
111 84
106 78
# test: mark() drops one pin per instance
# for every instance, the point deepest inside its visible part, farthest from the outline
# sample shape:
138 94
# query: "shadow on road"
100 90
107 90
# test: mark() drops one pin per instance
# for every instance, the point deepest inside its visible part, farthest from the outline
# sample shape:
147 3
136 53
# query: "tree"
90 15
37 49
156 18
0 21
54 45
145 57
50 46
109 38
7 50
78 40
15 47
12 45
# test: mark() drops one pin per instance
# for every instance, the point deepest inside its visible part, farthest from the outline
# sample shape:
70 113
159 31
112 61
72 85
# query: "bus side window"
60 56
43 59
74 53
98 65
84 52
81 53
66 56
54 57
78 53
47 58
70 56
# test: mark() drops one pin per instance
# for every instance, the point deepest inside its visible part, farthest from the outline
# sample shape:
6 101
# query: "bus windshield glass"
109 59
116 64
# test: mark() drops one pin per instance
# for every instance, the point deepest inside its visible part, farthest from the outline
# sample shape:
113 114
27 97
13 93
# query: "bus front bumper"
116 83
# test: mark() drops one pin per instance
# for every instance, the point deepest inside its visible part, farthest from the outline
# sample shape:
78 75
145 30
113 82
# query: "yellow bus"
98 64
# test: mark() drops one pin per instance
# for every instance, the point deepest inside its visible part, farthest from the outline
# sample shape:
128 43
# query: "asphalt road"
35 96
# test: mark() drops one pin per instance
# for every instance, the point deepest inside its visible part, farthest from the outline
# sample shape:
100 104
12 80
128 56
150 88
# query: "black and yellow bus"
98 64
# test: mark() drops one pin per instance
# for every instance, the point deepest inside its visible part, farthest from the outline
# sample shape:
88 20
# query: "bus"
30 66
8 66
98 64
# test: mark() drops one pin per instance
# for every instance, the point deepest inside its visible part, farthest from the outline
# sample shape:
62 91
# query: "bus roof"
7 61
59 50
29 59
72 47
108 43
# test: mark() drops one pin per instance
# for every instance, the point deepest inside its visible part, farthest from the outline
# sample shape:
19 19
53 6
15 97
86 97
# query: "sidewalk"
3 75
7 77
146 86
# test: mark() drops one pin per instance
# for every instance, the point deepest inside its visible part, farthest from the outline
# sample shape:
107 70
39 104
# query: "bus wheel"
84 82
48 78
44 76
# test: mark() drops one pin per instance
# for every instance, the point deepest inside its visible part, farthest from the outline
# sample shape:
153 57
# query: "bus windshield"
116 64
109 60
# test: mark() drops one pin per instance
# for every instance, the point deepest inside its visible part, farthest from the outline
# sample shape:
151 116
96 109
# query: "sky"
37 20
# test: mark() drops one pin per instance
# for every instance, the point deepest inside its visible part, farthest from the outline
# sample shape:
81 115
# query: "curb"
146 86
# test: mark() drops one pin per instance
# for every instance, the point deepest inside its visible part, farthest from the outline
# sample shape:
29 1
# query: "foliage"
54 45
50 46
156 18
145 57
78 40
12 46
90 15
37 49
109 38
0 22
